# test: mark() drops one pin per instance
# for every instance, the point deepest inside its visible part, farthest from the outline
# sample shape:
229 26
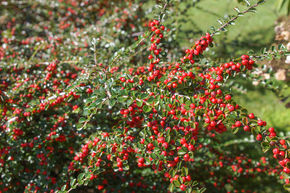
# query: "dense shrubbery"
95 99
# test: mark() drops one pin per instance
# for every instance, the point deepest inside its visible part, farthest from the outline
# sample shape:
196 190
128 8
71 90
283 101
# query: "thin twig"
116 57
236 17
95 54
163 10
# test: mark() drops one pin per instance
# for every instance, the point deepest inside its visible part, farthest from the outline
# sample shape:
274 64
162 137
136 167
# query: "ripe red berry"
282 141
282 154
286 170
247 128
260 122
188 178
183 141
156 52
238 123
186 157
182 187
119 164
228 97
251 116
245 62
176 159
271 130
141 160
245 57
259 137
89 90
150 146
275 151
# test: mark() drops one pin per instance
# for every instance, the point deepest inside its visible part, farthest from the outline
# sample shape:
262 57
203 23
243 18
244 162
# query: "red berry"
286 170
259 137
260 122
245 57
282 153
141 160
251 116
119 164
228 97
282 141
186 157
275 151
176 159
182 187
238 123
247 128
245 62
183 141
271 130
157 31
156 52
150 146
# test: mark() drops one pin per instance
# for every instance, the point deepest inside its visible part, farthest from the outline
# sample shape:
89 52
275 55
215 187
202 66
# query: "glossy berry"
182 187
259 137
251 116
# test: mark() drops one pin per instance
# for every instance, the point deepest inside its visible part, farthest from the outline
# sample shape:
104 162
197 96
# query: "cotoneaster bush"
93 100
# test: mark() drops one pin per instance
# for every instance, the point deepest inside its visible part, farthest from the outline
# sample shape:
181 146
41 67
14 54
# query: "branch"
236 17
163 10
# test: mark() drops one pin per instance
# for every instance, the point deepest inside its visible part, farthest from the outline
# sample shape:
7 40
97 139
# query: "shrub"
89 103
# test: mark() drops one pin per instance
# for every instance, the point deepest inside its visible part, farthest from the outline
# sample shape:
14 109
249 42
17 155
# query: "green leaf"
195 183
176 183
147 108
139 103
122 99
129 102
237 9
235 130
202 190
73 182
112 102
188 103
288 164
287 187
167 138
144 95
153 156
182 151
86 111
184 171
150 100
80 178
248 3
265 146
63 188
192 141
171 187
82 120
